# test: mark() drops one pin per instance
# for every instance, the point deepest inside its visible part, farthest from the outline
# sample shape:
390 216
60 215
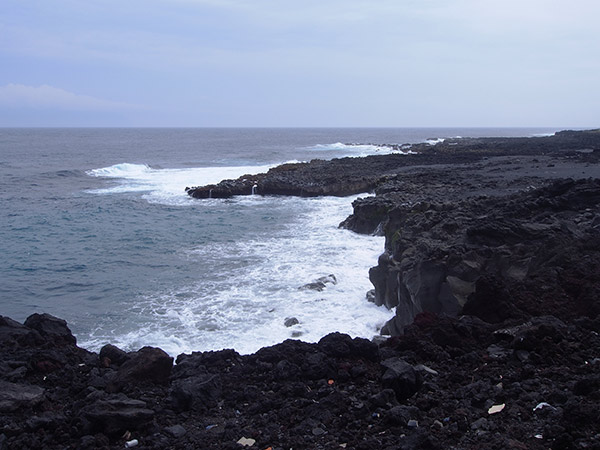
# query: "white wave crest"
435 141
166 186
339 149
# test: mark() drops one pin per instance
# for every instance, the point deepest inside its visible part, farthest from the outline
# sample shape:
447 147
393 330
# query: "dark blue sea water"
96 228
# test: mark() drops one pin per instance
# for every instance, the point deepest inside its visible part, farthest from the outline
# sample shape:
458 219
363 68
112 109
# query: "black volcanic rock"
480 253
149 364
348 176
51 327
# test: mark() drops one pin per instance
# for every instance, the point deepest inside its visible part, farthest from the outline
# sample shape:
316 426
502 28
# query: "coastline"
528 337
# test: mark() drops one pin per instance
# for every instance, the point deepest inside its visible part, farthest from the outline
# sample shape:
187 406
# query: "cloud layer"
310 63
48 97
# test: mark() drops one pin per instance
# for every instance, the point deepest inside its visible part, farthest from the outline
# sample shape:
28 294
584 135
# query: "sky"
309 63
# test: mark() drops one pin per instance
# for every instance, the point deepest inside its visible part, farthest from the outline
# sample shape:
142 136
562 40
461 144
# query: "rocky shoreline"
492 262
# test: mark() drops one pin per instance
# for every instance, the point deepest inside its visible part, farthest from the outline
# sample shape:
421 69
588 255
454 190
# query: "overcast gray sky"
400 63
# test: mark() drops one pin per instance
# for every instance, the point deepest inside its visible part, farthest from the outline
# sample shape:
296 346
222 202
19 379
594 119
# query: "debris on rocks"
496 409
246 442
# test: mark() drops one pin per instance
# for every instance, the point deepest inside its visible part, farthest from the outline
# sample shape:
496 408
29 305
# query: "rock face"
476 256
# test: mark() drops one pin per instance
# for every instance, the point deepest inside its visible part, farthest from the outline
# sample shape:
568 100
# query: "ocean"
97 229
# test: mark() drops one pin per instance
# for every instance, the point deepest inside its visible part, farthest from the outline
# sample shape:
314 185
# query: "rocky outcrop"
476 256
348 176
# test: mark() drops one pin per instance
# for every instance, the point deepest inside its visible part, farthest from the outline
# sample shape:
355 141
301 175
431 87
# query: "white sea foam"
242 301
353 149
166 186
435 141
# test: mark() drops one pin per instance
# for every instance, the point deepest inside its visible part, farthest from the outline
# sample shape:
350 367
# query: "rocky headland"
492 264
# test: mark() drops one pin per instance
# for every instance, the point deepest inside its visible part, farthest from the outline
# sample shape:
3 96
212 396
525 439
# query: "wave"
250 286
165 186
123 170
434 141
339 149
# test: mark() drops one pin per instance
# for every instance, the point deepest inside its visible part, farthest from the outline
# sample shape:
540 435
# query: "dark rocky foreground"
492 262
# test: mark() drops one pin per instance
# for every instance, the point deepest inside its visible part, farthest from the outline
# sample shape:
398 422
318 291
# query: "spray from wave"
166 185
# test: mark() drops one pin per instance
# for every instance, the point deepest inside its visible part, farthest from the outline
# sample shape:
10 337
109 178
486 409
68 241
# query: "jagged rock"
401 377
199 392
320 283
339 344
291 321
147 364
114 354
176 431
470 258
490 301
51 327
369 214
12 333
401 414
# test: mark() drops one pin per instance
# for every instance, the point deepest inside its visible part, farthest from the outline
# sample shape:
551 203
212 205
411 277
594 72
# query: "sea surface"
96 228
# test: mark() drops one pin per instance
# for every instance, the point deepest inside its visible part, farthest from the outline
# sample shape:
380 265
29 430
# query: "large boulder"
149 364
401 377
12 334
51 328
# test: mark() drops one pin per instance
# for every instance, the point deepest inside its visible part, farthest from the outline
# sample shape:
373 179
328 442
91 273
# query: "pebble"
496 409
246 442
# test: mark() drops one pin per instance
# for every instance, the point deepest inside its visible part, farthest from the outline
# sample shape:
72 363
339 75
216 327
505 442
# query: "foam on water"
249 287
435 141
166 186
353 149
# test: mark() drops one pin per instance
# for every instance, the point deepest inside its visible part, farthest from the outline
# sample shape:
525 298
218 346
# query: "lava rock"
401 377
51 327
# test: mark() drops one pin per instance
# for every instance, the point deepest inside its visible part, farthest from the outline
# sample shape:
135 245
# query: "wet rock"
369 213
320 284
291 321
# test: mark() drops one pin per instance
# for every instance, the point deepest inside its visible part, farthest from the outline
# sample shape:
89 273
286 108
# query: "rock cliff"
476 256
